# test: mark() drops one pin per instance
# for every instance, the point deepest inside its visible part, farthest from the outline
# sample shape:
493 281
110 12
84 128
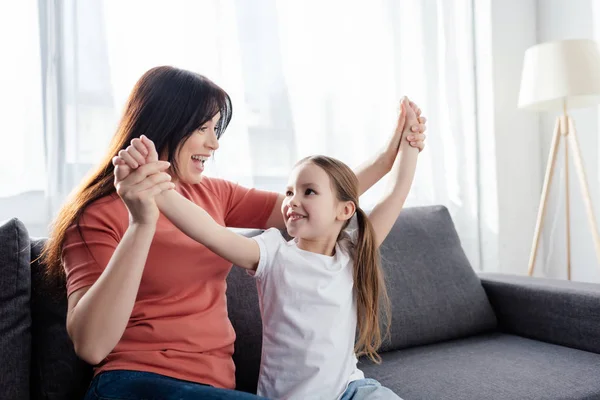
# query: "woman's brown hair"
167 105
372 301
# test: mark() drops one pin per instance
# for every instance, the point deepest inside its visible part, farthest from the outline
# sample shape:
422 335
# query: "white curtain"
304 77
21 130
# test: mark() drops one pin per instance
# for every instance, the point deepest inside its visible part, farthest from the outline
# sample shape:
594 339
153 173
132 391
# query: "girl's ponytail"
370 290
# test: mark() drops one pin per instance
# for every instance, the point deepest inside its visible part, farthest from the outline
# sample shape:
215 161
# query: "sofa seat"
489 367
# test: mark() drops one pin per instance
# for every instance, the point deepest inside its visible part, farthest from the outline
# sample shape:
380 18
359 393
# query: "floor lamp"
561 76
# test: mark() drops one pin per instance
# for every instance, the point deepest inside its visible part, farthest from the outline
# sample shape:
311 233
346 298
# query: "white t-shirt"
308 309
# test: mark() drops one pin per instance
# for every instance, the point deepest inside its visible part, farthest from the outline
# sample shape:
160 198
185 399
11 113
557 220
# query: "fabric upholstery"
492 367
435 294
56 371
551 310
15 316
244 313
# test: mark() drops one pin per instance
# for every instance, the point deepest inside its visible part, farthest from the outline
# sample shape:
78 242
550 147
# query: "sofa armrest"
554 311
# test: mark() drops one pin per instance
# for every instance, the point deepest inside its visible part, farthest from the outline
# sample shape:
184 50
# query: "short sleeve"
268 243
89 247
247 208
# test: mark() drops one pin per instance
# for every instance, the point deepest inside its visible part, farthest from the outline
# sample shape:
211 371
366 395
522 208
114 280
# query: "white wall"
519 141
512 136
570 19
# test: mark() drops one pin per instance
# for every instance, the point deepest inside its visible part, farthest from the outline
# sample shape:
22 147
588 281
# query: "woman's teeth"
202 159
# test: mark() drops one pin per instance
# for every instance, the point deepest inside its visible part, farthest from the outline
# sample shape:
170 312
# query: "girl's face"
311 209
196 150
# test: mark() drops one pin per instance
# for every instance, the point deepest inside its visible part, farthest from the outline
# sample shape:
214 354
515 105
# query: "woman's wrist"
142 227
386 158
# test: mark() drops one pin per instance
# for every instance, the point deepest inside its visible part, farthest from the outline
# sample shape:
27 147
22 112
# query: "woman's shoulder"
111 202
216 185
104 217
107 210
208 185
222 190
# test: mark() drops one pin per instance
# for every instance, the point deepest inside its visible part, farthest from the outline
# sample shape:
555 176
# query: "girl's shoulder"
272 236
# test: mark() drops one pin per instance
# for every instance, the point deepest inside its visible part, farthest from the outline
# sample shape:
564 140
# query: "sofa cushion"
15 317
244 313
435 293
492 366
56 371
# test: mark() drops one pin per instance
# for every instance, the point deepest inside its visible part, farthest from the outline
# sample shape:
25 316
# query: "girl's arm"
191 219
196 223
377 166
386 211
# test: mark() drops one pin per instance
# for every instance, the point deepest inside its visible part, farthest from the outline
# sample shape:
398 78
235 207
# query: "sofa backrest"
56 371
435 293
15 315
38 359
435 296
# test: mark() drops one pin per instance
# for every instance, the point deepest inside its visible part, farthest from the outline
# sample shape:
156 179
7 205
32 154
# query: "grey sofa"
455 335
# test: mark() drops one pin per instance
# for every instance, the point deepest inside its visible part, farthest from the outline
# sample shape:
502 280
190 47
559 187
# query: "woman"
146 304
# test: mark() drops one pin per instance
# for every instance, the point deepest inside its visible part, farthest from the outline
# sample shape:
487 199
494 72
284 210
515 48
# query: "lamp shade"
555 72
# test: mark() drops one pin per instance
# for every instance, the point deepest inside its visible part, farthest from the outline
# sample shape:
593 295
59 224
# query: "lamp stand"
564 130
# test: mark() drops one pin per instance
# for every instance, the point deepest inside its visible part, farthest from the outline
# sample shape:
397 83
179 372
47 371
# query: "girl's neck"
325 246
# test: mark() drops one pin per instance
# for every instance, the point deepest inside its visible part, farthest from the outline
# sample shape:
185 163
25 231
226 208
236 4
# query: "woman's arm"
376 167
97 315
386 211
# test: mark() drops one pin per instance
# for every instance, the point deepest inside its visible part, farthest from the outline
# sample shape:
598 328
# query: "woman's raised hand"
139 178
416 137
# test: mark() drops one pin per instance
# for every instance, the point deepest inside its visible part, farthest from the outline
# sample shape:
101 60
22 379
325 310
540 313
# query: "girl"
317 288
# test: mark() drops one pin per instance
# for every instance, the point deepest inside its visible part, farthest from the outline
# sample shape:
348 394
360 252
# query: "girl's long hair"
167 105
373 304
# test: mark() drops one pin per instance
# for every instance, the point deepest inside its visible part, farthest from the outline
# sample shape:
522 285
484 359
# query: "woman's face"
196 150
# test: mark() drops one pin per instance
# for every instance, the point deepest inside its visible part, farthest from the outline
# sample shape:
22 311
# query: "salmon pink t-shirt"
179 325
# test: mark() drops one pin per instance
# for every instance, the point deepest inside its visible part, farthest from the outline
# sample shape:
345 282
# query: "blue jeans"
370 389
138 385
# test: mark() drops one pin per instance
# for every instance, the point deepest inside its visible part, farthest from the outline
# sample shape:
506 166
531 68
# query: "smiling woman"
174 108
104 250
